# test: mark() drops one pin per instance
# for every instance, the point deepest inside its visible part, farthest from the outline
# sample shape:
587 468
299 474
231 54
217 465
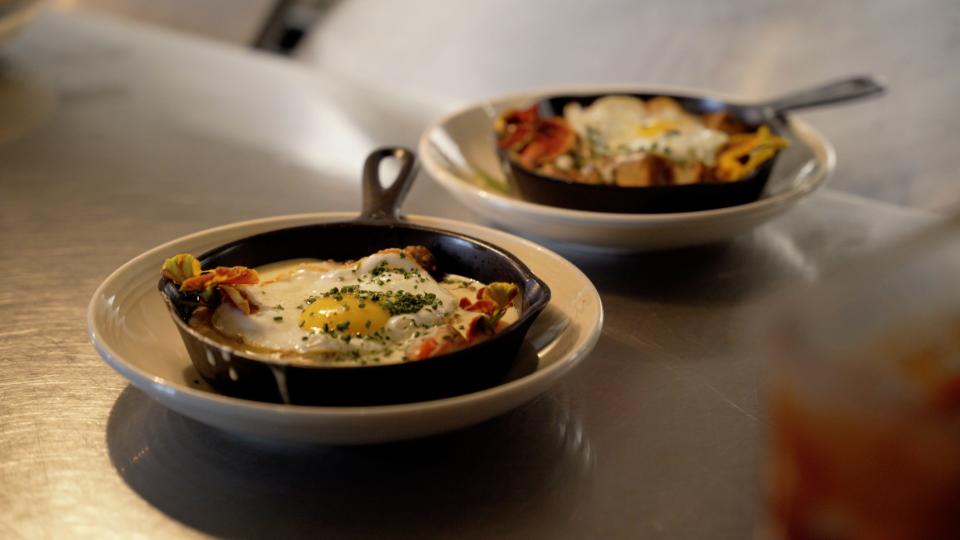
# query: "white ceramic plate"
131 329
458 152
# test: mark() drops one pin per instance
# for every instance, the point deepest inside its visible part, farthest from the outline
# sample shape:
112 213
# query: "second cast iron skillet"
260 377
554 191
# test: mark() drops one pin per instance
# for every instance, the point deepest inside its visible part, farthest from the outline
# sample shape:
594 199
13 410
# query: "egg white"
613 118
275 326
625 127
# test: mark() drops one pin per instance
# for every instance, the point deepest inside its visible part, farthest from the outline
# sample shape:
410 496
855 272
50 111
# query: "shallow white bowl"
459 152
131 329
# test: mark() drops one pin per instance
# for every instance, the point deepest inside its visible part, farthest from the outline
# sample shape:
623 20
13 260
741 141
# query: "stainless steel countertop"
122 137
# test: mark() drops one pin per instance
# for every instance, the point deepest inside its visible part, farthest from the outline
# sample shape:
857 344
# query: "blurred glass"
864 399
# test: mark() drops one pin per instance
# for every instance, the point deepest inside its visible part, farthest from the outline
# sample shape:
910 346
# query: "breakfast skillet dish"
628 142
381 309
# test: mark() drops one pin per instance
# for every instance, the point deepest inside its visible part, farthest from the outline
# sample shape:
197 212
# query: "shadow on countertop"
725 273
476 482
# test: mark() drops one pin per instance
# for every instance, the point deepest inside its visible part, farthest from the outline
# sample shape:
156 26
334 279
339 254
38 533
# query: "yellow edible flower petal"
181 267
500 293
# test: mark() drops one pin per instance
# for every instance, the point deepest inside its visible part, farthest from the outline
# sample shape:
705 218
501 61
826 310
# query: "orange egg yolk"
349 315
655 128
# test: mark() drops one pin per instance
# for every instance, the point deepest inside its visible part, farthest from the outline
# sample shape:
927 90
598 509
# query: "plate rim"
150 383
452 181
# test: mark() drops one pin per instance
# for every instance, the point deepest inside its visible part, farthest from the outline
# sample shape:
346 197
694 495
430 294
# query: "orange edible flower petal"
516 128
515 136
532 139
426 347
530 115
446 346
487 307
447 340
181 267
221 275
553 138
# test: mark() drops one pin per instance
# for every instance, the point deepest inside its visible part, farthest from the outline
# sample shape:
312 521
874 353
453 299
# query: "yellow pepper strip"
746 152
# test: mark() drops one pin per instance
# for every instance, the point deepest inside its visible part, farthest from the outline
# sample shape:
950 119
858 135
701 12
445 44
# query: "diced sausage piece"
687 173
422 256
651 170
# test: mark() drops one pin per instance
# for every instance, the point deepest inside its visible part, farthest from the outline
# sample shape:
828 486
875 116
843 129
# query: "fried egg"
375 310
624 125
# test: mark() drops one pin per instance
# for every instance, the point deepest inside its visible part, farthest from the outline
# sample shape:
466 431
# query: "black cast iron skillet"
560 192
379 226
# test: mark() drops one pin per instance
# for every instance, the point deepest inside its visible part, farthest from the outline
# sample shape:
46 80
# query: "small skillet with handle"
554 191
265 378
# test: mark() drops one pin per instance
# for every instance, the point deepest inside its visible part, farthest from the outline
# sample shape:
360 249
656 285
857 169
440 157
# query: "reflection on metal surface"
784 249
487 478
723 273
14 14
545 330
25 104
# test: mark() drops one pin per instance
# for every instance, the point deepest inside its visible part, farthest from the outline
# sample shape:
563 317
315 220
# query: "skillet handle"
383 204
835 92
